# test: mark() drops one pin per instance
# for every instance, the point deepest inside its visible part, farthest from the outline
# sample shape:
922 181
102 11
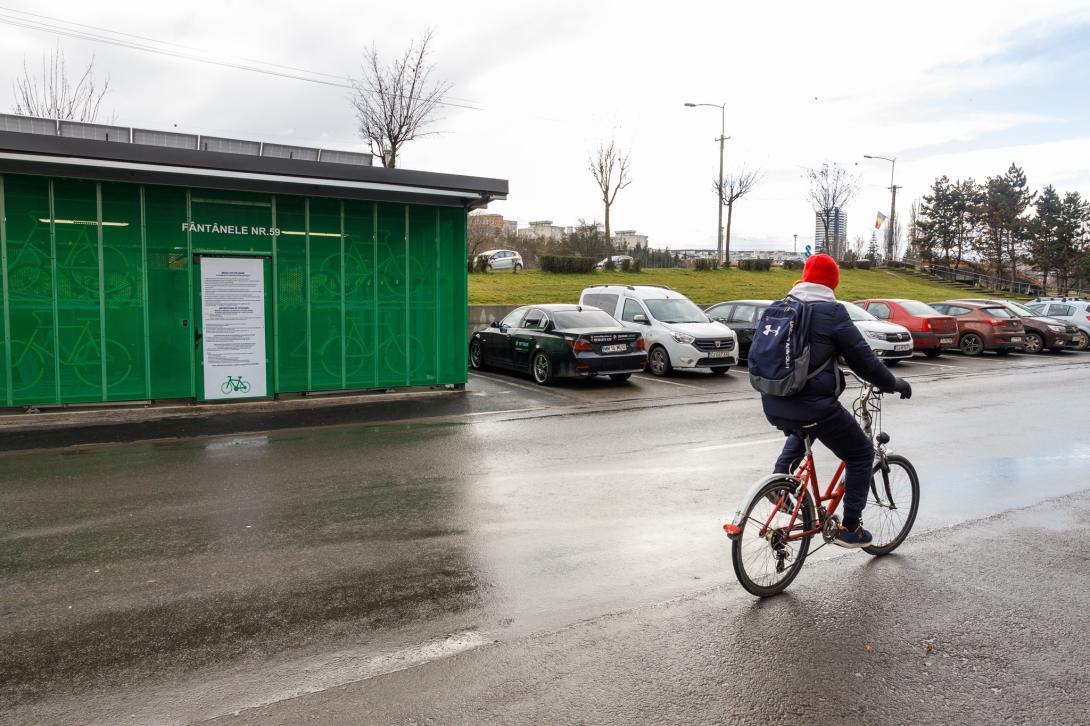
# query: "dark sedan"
741 316
554 341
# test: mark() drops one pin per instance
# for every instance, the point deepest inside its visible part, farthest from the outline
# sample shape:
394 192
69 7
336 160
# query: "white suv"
678 333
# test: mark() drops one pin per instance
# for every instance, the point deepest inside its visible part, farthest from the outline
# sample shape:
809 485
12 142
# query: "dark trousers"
843 436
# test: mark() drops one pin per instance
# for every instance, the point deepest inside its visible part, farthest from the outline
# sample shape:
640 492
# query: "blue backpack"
779 357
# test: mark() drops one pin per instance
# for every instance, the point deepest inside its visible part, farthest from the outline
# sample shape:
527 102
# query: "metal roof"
113 153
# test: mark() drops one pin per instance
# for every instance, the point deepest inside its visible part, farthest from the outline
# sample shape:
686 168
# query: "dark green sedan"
559 341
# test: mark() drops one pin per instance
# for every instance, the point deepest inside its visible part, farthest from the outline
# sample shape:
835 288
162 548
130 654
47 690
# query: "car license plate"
619 348
901 348
1016 339
946 341
719 354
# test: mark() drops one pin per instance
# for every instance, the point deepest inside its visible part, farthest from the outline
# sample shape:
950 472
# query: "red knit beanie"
823 270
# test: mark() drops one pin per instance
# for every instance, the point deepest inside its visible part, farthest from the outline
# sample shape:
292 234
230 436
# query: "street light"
722 137
892 203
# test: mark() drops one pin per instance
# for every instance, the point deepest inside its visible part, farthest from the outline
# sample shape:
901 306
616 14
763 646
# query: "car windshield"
915 307
998 312
857 313
1022 310
675 311
583 319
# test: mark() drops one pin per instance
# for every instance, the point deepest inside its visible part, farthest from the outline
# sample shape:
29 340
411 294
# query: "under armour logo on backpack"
769 331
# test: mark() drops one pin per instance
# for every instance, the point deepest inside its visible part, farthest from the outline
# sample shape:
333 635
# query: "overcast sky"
946 87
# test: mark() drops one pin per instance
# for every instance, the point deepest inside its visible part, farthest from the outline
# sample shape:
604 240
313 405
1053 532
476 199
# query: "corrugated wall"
97 285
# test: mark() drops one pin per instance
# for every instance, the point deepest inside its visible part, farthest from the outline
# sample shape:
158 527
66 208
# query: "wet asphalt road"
182 579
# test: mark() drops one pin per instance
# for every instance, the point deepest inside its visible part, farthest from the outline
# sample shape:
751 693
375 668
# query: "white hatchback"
678 333
889 341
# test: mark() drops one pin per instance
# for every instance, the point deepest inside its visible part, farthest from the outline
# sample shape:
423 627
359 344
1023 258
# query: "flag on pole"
880 221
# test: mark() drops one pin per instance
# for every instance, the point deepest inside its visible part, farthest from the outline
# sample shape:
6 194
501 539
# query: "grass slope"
704 288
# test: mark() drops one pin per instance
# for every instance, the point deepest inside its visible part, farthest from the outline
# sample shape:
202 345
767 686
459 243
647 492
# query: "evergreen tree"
1002 220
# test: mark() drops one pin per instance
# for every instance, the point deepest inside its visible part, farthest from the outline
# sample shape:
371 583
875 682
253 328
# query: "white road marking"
737 444
200 701
936 365
672 383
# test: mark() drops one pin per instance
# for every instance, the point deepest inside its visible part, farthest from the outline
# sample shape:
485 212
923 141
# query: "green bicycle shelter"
145 265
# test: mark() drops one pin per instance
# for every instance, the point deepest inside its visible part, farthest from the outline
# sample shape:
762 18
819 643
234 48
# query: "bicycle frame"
807 475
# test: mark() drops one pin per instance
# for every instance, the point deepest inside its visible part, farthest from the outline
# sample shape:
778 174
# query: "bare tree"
735 186
611 171
396 101
55 95
832 188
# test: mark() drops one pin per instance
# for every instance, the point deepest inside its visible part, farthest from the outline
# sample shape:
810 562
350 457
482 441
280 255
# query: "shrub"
626 265
705 264
637 265
481 264
610 264
864 264
755 265
792 265
567 265
847 264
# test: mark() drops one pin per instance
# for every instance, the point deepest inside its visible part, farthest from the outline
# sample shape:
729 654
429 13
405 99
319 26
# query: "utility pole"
892 204
795 247
722 138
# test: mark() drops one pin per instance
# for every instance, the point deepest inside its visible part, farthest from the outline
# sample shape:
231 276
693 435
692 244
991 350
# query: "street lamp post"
892 204
722 137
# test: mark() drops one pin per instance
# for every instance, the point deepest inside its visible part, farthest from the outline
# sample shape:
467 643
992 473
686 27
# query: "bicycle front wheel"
892 504
765 560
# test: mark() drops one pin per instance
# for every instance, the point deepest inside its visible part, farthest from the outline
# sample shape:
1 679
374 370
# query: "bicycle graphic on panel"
83 355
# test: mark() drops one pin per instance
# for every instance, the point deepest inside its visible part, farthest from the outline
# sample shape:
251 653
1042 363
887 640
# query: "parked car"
1074 312
678 333
741 316
557 341
1041 331
1054 298
889 341
617 260
932 332
984 326
502 259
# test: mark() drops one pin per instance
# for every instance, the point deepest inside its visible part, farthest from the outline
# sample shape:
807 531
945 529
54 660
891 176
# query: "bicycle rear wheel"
892 504
766 564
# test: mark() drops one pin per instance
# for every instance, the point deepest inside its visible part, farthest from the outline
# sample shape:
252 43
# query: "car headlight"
683 338
876 336
1057 328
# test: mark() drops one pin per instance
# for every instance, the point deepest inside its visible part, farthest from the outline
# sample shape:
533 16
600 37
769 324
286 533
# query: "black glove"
902 387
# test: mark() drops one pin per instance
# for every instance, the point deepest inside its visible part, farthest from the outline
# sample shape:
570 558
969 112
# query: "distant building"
838 233
627 239
543 229
493 224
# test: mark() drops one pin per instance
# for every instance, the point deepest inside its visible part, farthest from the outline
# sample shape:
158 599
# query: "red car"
931 330
985 326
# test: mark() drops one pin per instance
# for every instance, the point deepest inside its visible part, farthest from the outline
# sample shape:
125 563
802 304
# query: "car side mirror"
641 319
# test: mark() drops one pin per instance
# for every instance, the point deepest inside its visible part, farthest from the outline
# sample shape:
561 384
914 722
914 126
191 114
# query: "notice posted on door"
233 320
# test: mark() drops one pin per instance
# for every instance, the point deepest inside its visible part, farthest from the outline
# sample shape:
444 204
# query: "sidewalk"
981 623
55 427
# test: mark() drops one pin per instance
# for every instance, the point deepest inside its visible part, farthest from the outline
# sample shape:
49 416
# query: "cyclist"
816 410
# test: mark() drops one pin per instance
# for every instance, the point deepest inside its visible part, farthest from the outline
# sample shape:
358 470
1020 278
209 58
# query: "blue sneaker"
852 539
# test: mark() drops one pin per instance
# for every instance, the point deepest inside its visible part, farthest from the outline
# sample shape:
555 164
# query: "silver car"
1071 311
502 259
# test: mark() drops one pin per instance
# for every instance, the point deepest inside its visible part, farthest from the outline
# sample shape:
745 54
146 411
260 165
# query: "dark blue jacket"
832 333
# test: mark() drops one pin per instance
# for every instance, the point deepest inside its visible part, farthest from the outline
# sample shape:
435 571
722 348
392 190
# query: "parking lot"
495 390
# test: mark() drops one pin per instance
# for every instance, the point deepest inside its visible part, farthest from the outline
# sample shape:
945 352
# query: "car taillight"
997 323
641 344
926 324
580 345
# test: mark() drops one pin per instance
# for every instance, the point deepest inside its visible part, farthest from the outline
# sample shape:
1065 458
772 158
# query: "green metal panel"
360 294
97 305
291 295
170 340
392 313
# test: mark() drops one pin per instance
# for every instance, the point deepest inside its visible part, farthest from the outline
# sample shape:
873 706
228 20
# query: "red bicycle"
771 532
